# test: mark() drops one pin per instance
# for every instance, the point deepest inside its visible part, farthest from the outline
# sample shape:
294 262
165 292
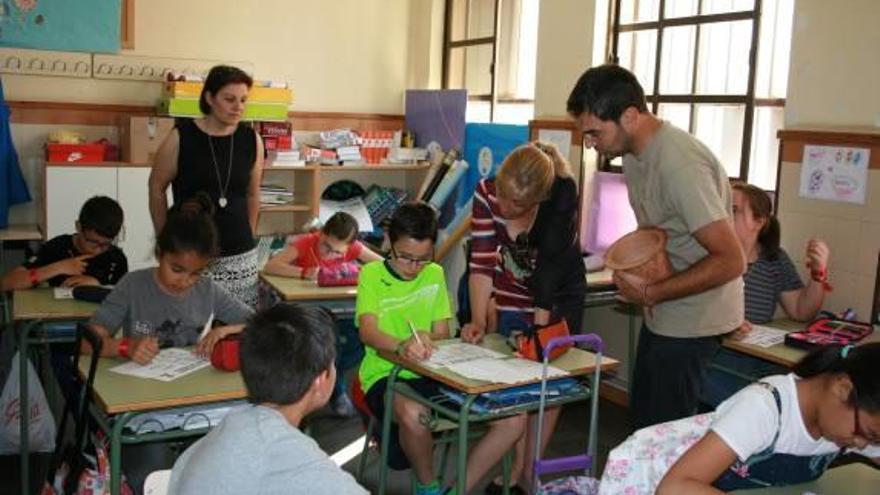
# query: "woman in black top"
224 159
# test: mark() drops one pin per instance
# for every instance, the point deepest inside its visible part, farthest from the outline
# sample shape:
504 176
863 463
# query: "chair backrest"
157 482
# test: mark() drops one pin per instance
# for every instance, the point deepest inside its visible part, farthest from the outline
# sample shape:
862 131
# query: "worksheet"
458 352
762 336
168 365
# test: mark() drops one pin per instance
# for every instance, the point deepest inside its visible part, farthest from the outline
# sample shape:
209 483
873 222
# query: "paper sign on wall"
835 173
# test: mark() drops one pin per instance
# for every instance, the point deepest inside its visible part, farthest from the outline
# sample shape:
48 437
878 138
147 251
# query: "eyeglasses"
412 261
99 244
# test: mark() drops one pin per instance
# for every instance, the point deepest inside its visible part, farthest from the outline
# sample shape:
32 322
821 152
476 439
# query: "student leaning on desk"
168 306
403 306
87 257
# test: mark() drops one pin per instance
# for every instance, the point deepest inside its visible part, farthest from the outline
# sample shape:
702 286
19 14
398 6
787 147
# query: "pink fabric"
609 215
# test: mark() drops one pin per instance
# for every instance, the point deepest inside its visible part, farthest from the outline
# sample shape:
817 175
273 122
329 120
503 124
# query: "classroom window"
717 68
491 50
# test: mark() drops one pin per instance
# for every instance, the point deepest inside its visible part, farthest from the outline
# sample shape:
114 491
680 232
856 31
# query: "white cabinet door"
133 195
67 188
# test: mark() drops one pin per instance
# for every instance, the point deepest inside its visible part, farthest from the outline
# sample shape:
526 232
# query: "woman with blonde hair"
525 266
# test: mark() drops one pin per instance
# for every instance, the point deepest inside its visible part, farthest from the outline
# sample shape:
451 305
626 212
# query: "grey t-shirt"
678 185
141 307
255 450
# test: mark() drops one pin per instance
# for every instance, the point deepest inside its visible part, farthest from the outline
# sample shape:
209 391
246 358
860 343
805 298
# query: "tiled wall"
852 232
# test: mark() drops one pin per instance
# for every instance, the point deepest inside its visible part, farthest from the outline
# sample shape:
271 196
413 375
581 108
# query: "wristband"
32 275
122 350
821 275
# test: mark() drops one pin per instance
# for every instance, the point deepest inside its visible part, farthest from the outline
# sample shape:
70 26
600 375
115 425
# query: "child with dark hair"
335 243
771 280
287 355
87 257
396 298
786 429
167 306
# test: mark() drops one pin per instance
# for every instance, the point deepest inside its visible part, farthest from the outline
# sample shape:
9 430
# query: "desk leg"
23 402
461 461
386 429
116 453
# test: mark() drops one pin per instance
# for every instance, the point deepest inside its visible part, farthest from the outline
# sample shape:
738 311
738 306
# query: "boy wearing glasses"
87 257
397 298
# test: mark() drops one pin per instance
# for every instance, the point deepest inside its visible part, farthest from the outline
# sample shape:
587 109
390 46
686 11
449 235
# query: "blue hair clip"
844 351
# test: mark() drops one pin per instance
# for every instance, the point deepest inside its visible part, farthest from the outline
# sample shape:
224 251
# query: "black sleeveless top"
196 171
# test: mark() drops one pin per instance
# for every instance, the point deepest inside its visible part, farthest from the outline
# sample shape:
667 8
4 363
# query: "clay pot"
642 253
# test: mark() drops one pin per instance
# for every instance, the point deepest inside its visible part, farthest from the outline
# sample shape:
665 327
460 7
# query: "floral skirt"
238 274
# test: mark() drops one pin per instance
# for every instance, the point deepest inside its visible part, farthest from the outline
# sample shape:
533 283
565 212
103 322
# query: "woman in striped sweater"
526 267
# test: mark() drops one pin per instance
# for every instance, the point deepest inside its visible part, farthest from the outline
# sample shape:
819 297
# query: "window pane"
679 114
723 6
470 68
636 51
638 10
774 48
720 127
677 60
477 111
517 49
765 146
514 113
723 66
680 8
472 19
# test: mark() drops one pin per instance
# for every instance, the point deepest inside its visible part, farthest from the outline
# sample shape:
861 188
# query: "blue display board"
485 147
64 25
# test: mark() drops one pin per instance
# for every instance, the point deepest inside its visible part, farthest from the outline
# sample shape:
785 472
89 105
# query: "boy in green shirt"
408 288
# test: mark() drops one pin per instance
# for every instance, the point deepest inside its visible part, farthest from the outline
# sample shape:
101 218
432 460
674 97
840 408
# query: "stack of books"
273 194
349 155
266 101
289 158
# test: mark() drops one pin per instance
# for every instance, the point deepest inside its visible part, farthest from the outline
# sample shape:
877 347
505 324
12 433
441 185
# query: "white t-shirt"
747 422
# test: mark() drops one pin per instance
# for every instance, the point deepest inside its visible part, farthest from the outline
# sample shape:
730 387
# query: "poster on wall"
835 173
63 25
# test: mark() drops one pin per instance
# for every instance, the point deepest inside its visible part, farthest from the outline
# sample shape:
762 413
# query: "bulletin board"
63 25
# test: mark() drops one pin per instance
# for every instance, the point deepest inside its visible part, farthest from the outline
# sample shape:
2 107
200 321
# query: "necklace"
222 187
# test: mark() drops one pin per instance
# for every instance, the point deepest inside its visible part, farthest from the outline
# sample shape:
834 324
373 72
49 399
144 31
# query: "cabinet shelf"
283 208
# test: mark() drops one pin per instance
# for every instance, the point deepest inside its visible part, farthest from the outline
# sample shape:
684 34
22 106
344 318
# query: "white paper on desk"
62 292
510 371
458 352
762 336
168 365
354 207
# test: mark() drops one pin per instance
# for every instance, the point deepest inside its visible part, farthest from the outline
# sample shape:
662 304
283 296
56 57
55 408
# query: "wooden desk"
120 398
852 479
780 353
295 289
575 361
31 308
21 232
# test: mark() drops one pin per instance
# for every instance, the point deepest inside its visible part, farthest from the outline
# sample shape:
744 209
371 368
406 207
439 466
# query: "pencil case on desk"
91 293
829 331
225 354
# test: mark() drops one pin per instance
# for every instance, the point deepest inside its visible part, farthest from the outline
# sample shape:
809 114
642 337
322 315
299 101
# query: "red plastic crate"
93 152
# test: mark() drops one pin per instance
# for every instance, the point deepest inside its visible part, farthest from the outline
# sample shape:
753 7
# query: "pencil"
413 330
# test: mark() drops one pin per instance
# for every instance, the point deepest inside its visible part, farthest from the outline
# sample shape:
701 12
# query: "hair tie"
844 351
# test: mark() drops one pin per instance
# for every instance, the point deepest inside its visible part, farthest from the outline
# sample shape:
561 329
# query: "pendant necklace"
222 187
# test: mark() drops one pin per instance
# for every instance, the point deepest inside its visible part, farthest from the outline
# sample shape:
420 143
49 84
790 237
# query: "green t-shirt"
395 302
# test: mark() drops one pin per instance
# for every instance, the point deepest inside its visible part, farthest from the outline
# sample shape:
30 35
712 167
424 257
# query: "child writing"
169 305
87 257
786 429
771 280
335 243
402 307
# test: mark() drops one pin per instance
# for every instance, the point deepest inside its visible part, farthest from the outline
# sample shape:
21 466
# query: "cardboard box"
141 137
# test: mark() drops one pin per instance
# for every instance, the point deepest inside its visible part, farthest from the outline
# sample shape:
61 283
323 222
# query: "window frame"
449 45
747 100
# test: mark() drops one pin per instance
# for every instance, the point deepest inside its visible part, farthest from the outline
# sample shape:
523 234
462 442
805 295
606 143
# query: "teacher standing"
221 157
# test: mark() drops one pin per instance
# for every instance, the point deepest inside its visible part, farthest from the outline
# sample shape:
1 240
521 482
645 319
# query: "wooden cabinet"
67 187
308 182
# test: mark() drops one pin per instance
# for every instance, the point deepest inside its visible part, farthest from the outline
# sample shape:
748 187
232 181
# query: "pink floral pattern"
636 466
